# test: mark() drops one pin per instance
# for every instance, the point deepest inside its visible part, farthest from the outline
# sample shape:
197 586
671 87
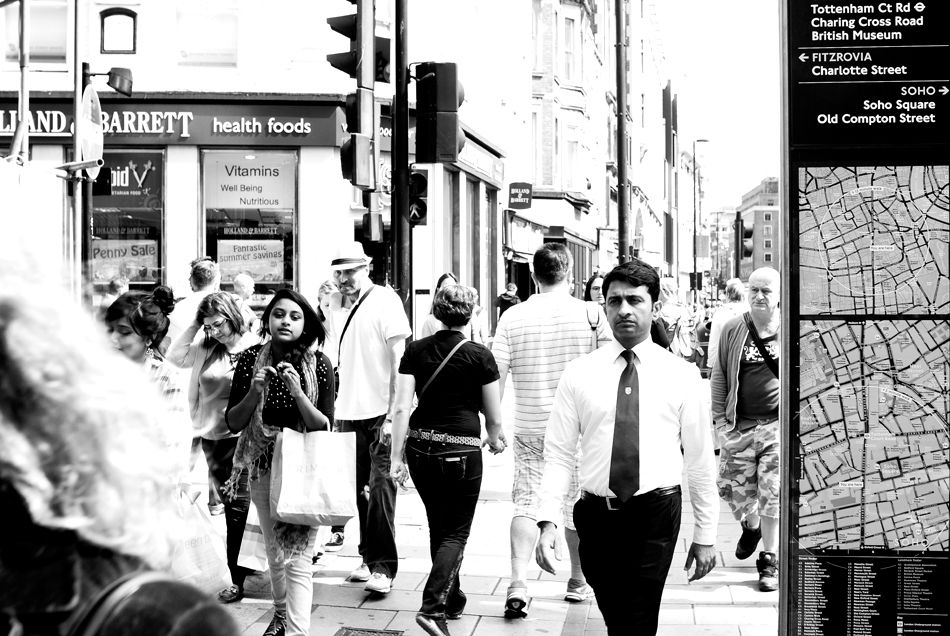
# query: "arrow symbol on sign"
944 90
803 57
919 7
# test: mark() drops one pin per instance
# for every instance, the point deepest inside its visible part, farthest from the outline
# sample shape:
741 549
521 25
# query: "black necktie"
625 456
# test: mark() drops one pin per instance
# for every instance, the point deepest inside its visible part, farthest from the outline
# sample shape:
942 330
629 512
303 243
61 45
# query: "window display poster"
239 180
132 259
262 259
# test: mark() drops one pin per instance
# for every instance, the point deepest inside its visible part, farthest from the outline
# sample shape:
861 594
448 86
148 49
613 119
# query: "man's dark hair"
552 263
635 273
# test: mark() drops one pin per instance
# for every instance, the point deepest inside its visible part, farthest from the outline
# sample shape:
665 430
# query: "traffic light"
418 191
360 27
439 136
357 161
696 280
373 227
748 245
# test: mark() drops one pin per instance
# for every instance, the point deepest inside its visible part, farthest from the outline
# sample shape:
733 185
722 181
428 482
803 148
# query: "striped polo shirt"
535 340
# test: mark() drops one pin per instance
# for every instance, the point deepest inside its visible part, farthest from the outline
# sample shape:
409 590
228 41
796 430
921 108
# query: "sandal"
230 594
516 601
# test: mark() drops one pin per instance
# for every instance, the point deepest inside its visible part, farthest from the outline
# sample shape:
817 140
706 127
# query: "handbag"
253 553
313 478
199 557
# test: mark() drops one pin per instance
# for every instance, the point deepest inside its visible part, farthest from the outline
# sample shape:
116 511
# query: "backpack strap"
90 620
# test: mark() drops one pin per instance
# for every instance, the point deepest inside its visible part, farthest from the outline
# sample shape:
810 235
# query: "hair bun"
164 298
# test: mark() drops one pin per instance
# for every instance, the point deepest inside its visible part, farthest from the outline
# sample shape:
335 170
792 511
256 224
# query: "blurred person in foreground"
212 360
87 478
279 384
636 410
443 452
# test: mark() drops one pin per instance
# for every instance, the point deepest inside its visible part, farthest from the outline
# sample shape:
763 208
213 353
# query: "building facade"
760 211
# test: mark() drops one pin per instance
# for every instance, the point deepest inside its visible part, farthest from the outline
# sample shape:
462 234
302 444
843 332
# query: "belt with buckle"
615 503
444 438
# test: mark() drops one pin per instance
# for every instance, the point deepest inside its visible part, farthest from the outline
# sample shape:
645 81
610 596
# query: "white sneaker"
360 574
379 583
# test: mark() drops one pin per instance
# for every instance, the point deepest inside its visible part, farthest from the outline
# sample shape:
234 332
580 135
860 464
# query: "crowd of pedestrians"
610 405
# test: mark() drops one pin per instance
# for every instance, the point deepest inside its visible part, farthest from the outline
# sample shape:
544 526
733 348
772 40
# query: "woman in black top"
281 384
443 453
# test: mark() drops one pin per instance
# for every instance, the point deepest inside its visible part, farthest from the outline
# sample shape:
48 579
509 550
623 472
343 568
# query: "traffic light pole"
737 224
401 230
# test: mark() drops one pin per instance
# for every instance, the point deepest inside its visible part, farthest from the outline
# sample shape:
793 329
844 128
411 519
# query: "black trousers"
448 478
219 453
626 555
378 513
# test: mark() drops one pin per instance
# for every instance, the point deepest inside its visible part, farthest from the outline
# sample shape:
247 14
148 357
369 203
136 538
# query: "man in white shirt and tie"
636 409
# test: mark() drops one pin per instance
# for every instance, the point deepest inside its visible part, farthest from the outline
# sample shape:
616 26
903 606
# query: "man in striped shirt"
533 342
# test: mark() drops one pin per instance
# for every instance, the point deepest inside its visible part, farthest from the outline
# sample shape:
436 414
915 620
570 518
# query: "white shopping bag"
253 554
313 478
199 557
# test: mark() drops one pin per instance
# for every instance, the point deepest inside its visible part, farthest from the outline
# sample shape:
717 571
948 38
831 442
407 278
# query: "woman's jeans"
219 453
291 580
448 478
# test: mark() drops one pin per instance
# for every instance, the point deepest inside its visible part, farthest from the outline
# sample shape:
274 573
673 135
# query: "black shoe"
748 542
453 611
278 625
433 625
767 564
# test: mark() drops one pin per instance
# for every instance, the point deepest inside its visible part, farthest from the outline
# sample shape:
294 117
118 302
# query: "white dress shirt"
671 415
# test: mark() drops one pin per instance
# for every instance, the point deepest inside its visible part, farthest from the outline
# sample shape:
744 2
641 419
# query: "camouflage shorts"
749 470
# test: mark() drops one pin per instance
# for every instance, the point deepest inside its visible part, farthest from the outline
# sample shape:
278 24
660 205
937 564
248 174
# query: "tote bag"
313 478
253 554
199 557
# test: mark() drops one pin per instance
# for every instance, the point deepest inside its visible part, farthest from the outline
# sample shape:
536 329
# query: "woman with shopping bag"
212 359
281 384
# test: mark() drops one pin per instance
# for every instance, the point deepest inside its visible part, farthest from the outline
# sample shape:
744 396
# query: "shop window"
250 217
127 236
118 31
49 32
202 46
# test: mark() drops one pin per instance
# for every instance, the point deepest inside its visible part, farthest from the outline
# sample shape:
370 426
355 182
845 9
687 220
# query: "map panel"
873 439
874 240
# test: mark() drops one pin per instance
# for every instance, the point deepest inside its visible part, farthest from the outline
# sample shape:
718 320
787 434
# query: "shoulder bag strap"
441 366
91 620
339 346
766 356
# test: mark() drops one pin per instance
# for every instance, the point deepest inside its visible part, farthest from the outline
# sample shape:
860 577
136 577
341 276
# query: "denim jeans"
378 514
448 478
219 454
291 580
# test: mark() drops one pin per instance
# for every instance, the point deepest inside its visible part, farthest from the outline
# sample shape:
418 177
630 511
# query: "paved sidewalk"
725 603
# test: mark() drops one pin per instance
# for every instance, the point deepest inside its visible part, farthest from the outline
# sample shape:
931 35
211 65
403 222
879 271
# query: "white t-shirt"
535 340
365 367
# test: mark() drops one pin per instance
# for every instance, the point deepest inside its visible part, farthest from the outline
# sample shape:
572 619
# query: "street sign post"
89 130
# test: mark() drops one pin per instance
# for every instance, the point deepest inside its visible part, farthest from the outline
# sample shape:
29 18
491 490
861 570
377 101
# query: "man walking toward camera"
370 327
745 400
636 409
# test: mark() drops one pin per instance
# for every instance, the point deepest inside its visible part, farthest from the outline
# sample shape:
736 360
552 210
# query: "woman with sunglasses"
282 383
212 359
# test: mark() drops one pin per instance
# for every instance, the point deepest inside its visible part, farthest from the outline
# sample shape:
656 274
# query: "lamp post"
695 273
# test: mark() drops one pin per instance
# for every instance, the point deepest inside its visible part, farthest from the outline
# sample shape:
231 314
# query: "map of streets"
873 437
874 240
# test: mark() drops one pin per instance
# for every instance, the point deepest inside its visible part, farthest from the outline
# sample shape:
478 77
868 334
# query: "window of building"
250 216
49 32
118 31
556 163
536 148
767 230
200 46
127 225
766 216
768 257
536 27
569 52
452 209
571 156
768 244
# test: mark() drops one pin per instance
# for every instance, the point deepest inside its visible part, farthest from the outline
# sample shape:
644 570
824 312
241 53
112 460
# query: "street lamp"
695 272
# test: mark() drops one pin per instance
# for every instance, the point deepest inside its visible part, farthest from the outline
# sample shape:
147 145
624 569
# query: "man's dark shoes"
433 625
748 542
278 625
455 607
767 564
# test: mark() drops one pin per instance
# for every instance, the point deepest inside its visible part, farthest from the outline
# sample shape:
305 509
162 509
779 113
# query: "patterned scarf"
257 440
